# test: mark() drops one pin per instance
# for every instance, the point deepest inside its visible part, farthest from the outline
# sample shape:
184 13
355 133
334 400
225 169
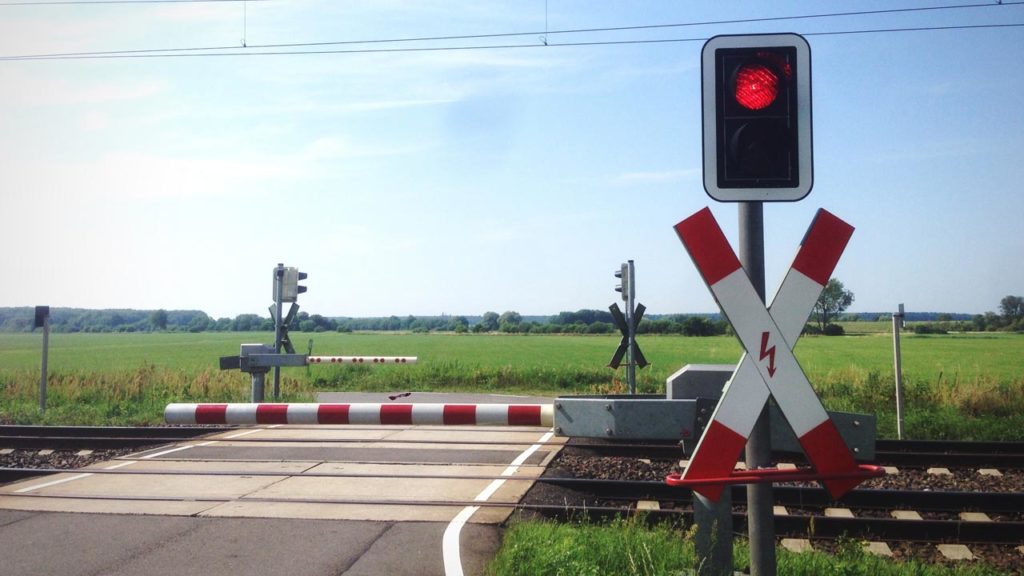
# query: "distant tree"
510 317
247 323
1012 308
199 323
489 323
698 326
158 319
834 299
458 324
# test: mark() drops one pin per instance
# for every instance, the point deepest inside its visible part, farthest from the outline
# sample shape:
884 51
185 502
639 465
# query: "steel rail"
98 437
807 496
1001 455
797 496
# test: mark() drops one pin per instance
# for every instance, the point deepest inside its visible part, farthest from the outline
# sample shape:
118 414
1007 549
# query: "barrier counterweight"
363 413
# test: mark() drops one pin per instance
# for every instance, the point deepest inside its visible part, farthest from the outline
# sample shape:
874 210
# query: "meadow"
968 386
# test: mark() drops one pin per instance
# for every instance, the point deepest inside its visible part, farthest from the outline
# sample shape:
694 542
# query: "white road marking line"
246 433
121 465
176 449
50 483
112 467
450 542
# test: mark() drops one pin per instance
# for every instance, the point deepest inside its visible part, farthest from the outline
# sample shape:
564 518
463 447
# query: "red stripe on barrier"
332 414
822 246
396 414
524 415
708 247
272 414
721 448
455 414
211 414
827 451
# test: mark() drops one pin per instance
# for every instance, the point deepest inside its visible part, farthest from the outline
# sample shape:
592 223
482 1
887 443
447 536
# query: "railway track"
919 453
806 510
97 437
933 509
806 507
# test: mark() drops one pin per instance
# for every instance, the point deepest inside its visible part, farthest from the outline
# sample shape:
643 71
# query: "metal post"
46 355
713 539
258 383
897 323
278 295
630 311
760 500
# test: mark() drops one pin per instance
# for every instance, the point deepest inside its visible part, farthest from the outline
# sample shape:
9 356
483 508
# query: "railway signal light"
290 288
756 96
623 275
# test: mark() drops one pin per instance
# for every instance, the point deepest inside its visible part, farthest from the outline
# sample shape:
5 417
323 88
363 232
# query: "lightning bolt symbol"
768 353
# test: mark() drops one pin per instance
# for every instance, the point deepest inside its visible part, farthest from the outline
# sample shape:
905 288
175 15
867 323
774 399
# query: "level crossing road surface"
297 500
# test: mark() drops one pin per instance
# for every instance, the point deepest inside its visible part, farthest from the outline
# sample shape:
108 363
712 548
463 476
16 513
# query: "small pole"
258 384
897 323
760 499
630 311
46 355
278 323
713 540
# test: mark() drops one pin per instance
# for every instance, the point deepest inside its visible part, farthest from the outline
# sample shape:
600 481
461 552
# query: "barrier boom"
361 359
362 413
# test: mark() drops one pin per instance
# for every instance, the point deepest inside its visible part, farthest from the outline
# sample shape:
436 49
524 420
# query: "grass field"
958 386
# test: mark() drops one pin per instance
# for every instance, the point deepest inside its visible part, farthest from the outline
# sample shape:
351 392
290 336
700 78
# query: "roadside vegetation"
629 548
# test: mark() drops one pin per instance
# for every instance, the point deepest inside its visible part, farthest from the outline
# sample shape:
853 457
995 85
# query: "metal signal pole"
278 323
760 500
630 312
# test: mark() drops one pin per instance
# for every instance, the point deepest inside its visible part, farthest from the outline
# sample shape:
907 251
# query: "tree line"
511 322
586 321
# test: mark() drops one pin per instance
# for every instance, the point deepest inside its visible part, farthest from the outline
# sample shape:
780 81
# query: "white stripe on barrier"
305 413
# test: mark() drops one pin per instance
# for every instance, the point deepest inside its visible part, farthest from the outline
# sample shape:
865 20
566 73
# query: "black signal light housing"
756 96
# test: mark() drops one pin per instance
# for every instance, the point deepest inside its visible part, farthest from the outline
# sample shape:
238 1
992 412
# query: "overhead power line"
290 48
81 2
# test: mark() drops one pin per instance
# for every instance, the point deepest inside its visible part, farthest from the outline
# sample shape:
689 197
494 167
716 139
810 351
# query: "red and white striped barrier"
361 359
768 367
364 413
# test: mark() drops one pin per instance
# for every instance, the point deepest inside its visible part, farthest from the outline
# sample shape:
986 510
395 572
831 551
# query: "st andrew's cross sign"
768 367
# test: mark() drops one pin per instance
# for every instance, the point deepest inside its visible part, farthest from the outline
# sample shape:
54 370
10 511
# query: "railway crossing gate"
258 359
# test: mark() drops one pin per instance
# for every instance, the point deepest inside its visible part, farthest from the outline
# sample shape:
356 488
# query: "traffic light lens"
757 86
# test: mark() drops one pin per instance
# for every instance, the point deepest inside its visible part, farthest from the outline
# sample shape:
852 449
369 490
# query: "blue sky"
461 181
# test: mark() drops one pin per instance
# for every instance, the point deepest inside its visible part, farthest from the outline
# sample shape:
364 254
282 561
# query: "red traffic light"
756 95
757 86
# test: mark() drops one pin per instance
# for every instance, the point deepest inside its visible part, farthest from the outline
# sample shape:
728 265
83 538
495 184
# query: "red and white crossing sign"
768 367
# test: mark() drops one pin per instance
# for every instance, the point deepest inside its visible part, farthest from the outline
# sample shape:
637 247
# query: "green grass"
968 386
629 548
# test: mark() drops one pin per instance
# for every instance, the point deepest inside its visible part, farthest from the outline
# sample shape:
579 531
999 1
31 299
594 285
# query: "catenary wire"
273 49
517 34
251 51
87 2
